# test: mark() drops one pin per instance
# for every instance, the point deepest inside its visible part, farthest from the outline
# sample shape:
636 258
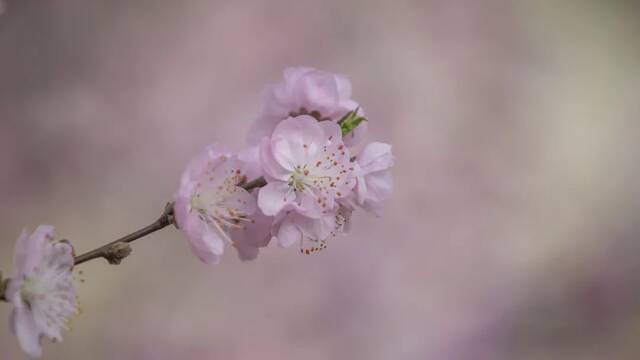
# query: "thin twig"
107 251
4 284
255 183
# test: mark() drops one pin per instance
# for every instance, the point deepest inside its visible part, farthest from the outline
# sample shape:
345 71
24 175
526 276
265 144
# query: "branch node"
116 252
4 283
169 215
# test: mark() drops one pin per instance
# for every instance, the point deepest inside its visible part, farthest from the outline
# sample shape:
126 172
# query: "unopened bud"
117 252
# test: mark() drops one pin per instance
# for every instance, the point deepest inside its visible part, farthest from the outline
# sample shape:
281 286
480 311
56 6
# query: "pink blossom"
257 233
209 203
374 181
42 293
307 168
306 91
312 235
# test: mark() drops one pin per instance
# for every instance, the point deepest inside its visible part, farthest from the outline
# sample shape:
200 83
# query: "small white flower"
42 292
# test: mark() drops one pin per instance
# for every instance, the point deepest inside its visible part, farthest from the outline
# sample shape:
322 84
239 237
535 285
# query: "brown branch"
117 250
4 284
255 183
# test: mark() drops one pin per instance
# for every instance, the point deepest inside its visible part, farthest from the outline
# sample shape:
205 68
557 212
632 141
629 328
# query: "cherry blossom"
210 204
307 167
42 293
311 234
374 182
306 91
257 233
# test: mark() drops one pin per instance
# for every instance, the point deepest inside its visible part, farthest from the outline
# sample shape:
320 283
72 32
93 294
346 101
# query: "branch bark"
4 283
255 183
114 251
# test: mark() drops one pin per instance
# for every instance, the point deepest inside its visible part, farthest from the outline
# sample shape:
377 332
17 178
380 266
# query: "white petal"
26 330
296 140
317 90
270 165
250 159
332 131
379 185
344 86
375 156
317 229
288 234
208 247
273 197
29 250
309 207
21 253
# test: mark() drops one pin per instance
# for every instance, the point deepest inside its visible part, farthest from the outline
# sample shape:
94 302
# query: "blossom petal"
375 156
332 131
317 91
209 247
210 157
272 111
288 234
379 185
246 252
252 237
295 140
29 249
310 207
317 229
250 159
274 197
22 252
270 165
344 86
26 330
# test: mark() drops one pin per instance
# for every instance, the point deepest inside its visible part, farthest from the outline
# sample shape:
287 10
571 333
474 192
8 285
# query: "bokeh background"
513 232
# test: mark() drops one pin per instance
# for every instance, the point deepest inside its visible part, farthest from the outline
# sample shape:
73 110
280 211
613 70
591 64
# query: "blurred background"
512 234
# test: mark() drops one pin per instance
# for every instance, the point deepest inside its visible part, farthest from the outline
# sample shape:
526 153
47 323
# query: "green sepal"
350 121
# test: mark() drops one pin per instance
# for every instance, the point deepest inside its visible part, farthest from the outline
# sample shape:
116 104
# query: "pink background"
512 234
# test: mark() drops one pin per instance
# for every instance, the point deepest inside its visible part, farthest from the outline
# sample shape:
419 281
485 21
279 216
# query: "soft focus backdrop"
513 232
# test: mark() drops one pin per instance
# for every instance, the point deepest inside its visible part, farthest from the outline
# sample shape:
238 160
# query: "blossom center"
212 208
301 178
297 179
32 290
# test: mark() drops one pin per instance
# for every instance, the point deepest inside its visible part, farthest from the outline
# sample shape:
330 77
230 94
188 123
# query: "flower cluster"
298 181
302 144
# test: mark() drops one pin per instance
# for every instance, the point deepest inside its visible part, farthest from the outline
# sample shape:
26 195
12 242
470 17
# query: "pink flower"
312 234
256 235
209 203
374 181
306 91
307 168
42 293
